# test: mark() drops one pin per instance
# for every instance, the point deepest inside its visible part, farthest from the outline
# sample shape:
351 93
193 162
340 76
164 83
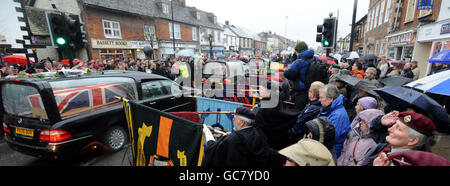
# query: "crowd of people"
338 124
332 123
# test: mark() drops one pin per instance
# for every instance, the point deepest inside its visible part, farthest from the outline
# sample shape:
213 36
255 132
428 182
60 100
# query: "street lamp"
173 28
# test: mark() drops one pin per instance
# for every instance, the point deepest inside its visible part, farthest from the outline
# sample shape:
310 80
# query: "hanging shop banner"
425 4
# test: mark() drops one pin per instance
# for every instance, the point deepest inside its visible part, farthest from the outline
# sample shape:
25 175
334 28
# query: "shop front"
431 39
401 45
111 49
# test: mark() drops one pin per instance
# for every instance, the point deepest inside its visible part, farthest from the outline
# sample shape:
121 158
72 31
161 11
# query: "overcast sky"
265 15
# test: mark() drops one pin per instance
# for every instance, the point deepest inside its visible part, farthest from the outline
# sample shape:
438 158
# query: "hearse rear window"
80 95
22 100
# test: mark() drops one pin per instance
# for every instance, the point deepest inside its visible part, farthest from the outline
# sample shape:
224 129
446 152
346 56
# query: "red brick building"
115 34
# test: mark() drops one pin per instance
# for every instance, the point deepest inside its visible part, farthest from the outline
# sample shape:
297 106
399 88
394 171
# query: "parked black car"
59 118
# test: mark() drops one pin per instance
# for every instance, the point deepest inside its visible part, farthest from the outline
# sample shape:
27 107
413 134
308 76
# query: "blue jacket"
338 116
300 67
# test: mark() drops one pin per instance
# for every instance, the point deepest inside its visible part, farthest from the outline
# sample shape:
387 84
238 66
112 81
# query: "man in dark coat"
310 112
245 147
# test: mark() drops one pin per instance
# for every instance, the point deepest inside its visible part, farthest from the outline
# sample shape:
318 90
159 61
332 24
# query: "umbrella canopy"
353 55
353 81
441 57
337 56
401 96
185 53
395 81
17 60
367 86
432 83
369 57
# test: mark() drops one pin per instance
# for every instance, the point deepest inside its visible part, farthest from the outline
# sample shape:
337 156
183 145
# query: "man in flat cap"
246 147
408 131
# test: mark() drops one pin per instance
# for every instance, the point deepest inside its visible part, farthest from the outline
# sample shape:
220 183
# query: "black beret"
246 112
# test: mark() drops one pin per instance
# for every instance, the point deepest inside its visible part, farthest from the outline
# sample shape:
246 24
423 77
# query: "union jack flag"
88 96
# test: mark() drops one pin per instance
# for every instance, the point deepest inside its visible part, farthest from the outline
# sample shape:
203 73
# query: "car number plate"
25 132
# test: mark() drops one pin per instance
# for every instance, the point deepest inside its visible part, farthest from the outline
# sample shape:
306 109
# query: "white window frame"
194 34
177 31
165 8
198 15
387 10
411 10
377 13
112 30
381 18
149 31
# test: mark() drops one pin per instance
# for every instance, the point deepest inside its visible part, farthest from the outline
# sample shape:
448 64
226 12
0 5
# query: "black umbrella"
369 57
353 81
405 97
367 86
395 81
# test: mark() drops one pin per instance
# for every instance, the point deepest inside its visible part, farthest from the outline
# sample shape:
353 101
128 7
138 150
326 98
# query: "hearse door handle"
173 98
153 103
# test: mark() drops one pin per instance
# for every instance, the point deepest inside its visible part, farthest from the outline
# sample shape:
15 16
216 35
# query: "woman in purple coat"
359 141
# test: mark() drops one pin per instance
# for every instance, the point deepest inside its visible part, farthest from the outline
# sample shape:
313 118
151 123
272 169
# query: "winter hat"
418 122
308 152
368 103
369 115
301 46
322 131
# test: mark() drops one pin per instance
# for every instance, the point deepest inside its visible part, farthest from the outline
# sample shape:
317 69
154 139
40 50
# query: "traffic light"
329 32
319 33
65 31
75 34
57 28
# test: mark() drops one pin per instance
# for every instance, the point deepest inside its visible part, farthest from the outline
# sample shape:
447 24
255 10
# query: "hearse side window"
153 89
80 95
22 100
171 87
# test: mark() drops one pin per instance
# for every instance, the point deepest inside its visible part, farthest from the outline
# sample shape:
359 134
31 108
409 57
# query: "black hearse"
57 118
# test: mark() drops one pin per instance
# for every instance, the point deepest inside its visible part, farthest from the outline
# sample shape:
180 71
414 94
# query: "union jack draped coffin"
88 96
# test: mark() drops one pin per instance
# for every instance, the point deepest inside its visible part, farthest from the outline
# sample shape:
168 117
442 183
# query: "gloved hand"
208 135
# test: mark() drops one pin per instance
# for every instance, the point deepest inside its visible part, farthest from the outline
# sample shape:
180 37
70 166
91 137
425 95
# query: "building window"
177 31
112 29
410 11
380 20
377 13
149 33
388 10
198 15
194 33
165 8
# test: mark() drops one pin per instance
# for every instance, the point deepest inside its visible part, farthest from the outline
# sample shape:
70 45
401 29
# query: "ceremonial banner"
162 139
214 105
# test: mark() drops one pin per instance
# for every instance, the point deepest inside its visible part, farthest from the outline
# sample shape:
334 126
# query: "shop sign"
425 4
403 39
116 44
445 29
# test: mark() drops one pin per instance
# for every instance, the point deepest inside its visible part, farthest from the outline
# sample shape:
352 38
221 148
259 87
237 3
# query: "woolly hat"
301 46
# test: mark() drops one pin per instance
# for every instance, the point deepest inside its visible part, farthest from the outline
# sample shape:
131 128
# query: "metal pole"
173 28
352 36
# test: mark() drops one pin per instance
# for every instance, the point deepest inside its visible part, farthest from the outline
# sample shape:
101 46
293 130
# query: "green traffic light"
60 41
326 43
